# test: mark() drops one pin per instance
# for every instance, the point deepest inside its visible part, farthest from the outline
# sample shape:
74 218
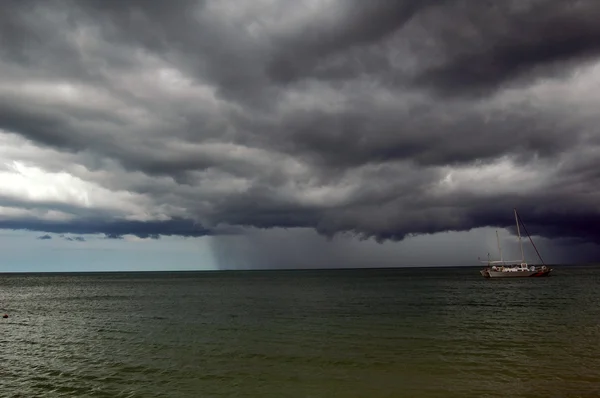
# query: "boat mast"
499 248
531 240
519 233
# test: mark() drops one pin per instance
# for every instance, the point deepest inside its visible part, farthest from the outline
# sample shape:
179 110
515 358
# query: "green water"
348 333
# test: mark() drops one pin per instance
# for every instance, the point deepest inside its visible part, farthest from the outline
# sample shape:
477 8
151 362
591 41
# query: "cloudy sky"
213 134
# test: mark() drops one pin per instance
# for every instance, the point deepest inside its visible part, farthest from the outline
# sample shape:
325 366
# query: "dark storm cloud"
45 125
207 117
372 133
462 46
498 42
112 229
352 23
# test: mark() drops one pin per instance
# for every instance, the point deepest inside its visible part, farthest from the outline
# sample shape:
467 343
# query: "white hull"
488 273
511 274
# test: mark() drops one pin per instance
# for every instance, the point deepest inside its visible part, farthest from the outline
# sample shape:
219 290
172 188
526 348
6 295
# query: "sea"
407 332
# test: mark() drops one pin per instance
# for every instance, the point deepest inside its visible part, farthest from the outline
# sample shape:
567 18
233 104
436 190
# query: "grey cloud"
113 236
188 34
491 44
345 26
371 134
42 124
44 237
74 239
344 119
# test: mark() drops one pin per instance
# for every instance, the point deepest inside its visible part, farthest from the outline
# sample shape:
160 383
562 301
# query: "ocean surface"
436 332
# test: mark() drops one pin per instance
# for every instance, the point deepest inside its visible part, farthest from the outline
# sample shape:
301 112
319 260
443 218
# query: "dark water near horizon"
443 332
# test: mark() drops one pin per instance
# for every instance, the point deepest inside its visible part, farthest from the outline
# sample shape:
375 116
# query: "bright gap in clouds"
37 186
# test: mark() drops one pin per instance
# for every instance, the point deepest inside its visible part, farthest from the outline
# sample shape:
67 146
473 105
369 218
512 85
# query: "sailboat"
514 268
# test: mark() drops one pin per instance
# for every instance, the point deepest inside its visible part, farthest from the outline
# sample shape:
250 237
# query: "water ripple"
378 333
